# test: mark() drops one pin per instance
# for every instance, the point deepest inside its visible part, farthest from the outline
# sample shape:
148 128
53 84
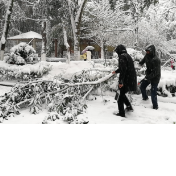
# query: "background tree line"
102 22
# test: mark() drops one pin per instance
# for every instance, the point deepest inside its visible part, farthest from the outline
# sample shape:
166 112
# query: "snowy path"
143 113
99 112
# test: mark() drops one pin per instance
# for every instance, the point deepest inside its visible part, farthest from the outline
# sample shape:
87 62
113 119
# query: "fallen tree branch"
87 93
93 82
69 85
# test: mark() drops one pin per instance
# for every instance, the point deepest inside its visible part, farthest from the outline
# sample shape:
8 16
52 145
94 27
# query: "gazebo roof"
26 36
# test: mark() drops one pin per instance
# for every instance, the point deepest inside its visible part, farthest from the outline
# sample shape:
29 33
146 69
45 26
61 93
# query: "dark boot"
145 99
118 114
155 107
129 108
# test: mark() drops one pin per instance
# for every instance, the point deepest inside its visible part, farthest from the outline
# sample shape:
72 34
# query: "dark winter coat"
126 69
153 64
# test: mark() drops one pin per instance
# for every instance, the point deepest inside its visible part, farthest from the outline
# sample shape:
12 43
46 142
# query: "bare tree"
6 28
76 10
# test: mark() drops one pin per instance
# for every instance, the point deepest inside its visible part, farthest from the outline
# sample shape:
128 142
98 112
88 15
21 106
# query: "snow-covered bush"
21 54
24 73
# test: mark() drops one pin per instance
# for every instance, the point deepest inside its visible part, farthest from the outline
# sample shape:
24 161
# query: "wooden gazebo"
31 37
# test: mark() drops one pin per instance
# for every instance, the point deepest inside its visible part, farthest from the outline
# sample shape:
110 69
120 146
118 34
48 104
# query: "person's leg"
126 101
120 102
128 104
143 86
154 95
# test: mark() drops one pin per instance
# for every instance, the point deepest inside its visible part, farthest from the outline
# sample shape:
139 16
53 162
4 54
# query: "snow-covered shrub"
24 73
21 54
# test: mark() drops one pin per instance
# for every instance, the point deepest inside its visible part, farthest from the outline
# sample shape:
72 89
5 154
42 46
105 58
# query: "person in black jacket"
153 74
127 78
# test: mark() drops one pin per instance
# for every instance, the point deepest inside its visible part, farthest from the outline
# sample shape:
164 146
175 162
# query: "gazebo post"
55 40
34 43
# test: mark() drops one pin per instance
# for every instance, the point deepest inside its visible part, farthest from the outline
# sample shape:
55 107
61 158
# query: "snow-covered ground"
143 113
99 112
101 108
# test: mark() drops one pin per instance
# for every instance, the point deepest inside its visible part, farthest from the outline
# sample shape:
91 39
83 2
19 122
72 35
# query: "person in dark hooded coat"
153 74
127 78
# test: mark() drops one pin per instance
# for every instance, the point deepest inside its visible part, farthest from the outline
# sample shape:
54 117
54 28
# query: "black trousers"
123 100
154 86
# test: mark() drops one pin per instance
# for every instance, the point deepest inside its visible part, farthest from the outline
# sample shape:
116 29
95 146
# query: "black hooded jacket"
126 69
153 64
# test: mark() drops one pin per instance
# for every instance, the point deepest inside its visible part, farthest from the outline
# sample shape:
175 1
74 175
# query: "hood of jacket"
120 49
152 50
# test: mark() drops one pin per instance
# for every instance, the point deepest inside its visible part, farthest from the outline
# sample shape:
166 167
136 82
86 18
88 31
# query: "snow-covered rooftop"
27 35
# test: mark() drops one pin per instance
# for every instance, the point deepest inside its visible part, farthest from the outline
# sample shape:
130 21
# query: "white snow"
67 70
101 108
100 112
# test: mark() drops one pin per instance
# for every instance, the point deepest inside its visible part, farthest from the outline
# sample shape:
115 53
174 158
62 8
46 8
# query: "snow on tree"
102 24
166 14
157 26
97 26
21 18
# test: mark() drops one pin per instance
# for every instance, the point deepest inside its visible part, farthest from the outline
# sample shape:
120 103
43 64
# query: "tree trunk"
77 42
66 45
76 23
55 44
73 27
102 49
6 29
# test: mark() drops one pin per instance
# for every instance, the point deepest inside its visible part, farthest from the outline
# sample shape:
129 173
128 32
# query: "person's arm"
122 69
117 71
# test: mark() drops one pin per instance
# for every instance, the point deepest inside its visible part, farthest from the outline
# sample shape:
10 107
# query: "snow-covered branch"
29 3
92 82
167 10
